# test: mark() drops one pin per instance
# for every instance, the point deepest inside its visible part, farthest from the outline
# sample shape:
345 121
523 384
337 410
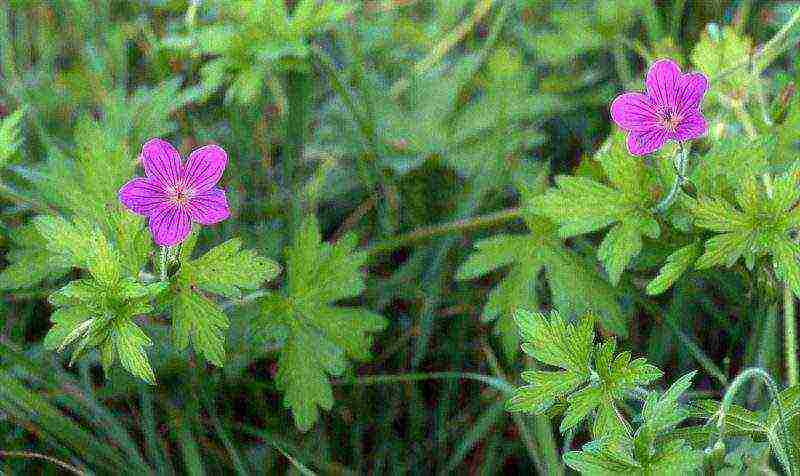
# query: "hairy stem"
542 447
297 92
496 383
428 232
681 160
14 196
730 394
162 263
790 336
32 455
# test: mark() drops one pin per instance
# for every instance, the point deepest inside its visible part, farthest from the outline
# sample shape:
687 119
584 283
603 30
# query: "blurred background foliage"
428 125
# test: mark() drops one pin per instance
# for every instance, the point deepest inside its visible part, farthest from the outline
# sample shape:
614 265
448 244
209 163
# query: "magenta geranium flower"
669 109
174 195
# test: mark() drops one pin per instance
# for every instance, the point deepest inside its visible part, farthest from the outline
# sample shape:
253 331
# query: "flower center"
670 120
180 194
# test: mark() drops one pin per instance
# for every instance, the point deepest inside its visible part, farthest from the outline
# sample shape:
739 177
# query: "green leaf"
197 319
580 205
552 341
761 226
677 264
9 135
65 322
29 266
318 337
739 421
610 455
103 262
129 341
133 242
675 458
227 269
581 403
730 161
714 55
544 389
65 239
620 245
725 249
786 252
576 289
304 365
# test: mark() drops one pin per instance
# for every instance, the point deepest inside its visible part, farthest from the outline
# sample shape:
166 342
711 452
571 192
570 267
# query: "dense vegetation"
437 252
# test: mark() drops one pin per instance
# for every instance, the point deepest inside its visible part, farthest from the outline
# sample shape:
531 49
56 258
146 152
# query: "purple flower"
174 195
669 109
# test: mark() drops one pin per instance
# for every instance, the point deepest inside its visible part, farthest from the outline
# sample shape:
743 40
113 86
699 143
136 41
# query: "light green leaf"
65 321
620 245
65 239
130 341
103 263
227 269
552 341
318 336
581 403
197 319
714 56
9 135
677 264
545 387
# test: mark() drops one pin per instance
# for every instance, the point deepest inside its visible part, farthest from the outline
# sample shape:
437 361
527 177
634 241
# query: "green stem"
338 84
162 261
297 85
14 196
496 383
790 336
542 447
32 455
668 318
727 401
677 15
681 159
621 64
429 232
766 52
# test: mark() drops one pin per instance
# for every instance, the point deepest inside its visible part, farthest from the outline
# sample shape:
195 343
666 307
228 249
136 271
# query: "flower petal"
209 207
170 225
646 142
161 162
662 82
204 167
692 126
634 112
691 89
143 196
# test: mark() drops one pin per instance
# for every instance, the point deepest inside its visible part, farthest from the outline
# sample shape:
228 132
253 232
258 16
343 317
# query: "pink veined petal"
204 167
662 82
170 225
143 196
634 112
161 162
209 207
646 142
692 126
692 87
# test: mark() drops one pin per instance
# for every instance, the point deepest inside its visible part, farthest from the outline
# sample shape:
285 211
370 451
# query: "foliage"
592 379
318 336
433 178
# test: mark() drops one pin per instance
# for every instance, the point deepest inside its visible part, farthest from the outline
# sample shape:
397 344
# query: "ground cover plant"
399 237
